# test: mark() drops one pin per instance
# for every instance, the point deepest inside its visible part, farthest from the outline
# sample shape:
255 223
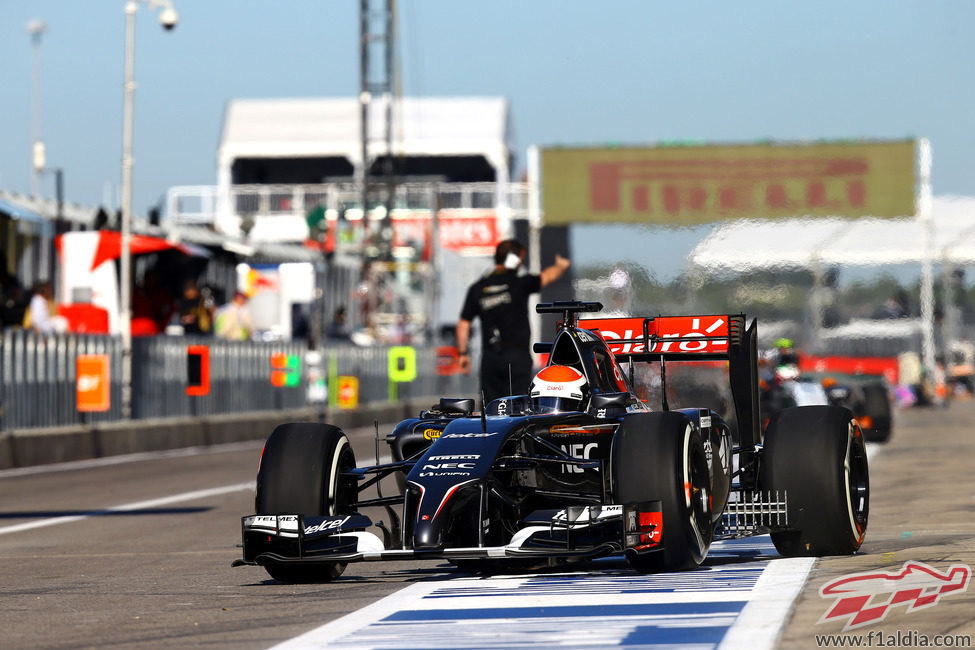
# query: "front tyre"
301 473
660 457
816 454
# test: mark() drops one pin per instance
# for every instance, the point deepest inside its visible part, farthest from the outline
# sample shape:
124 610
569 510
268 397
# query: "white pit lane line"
138 505
722 605
122 459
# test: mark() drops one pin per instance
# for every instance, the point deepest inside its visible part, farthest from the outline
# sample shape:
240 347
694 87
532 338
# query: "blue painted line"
704 579
647 635
739 598
599 611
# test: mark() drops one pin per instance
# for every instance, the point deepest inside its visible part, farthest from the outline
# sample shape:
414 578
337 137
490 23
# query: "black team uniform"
500 300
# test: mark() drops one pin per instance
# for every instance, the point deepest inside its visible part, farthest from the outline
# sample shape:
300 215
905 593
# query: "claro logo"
866 598
711 330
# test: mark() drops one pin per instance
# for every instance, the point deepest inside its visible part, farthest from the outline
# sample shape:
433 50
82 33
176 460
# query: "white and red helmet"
557 388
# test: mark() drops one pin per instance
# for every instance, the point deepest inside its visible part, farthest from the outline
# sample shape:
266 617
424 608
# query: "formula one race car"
867 396
578 468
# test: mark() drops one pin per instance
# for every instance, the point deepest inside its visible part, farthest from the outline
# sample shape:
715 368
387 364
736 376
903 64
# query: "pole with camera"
36 28
168 18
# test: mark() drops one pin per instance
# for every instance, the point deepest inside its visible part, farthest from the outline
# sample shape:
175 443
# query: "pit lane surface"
80 571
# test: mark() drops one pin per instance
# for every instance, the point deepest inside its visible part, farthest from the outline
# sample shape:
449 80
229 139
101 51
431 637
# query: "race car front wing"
573 532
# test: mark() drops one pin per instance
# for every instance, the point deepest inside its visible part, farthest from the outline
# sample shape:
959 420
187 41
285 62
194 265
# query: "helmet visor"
555 404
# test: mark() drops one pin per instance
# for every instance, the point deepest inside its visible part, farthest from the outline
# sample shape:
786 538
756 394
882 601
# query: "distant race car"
867 396
578 468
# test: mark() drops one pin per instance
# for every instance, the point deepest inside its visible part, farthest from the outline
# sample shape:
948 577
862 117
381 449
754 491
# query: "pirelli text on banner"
690 185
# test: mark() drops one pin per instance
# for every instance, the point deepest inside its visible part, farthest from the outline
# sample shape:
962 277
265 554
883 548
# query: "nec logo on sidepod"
866 598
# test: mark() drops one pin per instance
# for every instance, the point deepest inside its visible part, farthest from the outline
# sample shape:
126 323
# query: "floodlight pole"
36 29
168 19
125 257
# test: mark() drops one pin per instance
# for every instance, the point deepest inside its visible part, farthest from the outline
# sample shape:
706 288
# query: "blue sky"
575 73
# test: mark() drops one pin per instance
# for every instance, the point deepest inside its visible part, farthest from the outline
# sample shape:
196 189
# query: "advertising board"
698 184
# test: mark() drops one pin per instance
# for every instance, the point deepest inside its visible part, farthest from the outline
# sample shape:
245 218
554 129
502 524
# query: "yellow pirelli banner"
689 185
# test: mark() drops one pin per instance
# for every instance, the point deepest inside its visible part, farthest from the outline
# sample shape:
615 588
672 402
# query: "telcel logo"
332 524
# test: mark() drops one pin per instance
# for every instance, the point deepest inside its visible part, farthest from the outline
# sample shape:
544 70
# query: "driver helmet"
557 388
787 362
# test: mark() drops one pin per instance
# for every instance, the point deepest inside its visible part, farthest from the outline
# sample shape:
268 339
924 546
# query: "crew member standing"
500 300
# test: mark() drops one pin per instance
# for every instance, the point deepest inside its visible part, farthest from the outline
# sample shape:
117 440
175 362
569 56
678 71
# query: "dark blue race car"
578 467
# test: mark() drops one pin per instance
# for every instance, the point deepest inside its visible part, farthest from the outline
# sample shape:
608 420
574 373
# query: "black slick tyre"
817 456
660 457
300 473
876 405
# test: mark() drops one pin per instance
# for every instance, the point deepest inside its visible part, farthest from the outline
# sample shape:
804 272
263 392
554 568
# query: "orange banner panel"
691 185
93 383
197 370
348 397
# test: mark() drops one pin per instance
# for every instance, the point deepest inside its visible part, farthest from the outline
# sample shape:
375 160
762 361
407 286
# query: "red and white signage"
469 232
886 366
673 334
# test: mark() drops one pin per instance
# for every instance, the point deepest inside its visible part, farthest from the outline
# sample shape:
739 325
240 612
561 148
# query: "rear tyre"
816 454
876 405
300 473
660 457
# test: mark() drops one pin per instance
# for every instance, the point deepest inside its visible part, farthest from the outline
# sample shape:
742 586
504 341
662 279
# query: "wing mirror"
611 400
454 405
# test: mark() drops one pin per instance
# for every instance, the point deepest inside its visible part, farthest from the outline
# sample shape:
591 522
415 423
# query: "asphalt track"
135 552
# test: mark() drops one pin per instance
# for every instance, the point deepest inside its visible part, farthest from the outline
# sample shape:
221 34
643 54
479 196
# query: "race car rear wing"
669 338
693 338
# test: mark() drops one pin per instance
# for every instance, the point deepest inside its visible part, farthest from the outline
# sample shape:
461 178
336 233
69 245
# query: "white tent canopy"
428 126
807 243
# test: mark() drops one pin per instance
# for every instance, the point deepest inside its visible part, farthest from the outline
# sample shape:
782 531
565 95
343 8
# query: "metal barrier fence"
38 378
240 377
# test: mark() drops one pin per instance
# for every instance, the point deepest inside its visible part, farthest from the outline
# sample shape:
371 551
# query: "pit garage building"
311 141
